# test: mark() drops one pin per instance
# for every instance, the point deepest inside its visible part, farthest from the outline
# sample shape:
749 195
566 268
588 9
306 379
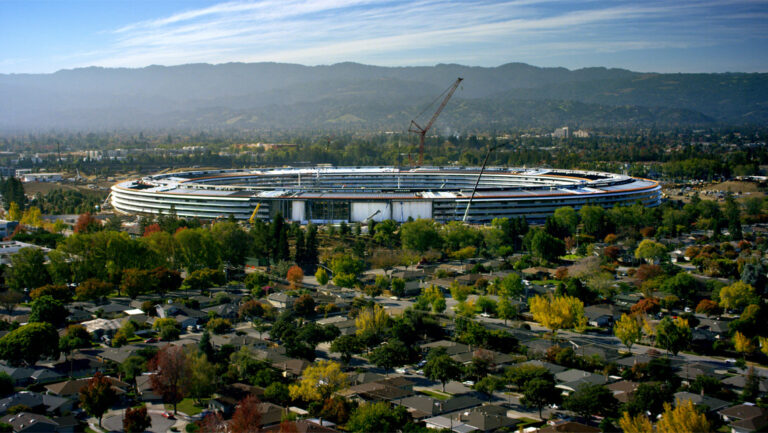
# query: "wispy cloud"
424 31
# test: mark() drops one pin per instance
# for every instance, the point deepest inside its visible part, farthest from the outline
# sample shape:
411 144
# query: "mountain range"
351 96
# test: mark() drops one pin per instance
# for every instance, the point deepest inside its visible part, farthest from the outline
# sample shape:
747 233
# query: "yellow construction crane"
253 215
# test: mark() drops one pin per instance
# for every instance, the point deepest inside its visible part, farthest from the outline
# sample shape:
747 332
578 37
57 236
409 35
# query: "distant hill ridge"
356 96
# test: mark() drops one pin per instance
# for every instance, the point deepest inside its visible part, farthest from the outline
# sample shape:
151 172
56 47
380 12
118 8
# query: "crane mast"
416 128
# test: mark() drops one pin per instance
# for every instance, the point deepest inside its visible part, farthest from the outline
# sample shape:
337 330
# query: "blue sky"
662 36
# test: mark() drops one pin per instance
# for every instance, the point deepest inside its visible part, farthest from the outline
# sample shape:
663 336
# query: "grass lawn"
545 282
89 430
436 394
188 406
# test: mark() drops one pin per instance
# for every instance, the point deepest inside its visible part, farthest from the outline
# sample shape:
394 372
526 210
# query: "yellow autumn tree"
764 345
558 312
684 418
371 320
32 217
14 212
743 344
627 329
635 424
737 296
319 381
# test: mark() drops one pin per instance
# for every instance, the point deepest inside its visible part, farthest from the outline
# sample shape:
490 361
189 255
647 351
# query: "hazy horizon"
655 36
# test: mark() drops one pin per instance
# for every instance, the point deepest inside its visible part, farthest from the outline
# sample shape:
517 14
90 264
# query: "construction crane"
416 128
477 182
253 215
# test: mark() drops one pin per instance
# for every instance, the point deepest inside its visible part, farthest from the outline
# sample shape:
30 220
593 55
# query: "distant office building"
561 132
42 177
20 172
581 133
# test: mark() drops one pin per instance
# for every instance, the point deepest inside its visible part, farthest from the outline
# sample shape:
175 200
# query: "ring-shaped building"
333 194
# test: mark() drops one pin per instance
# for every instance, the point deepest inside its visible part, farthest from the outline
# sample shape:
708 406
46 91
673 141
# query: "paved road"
159 424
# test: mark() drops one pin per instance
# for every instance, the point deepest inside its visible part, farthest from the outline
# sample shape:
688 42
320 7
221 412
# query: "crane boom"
415 127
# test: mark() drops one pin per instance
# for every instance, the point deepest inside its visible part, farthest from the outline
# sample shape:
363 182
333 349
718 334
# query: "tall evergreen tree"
310 246
300 254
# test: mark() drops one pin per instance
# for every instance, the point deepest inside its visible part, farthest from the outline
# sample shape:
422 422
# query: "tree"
420 235
321 276
743 344
58 292
232 241
76 337
511 286
97 396
6 384
346 345
319 382
9 299
29 343
441 367
136 420
594 220
627 329
132 367
218 325
86 223
93 289
390 355
14 213
635 424
751 390
304 306
47 309
684 418
567 218
247 416
488 385
737 296
649 398
197 249
201 378
134 282
171 372
683 285
505 309
295 276
673 335
371 320
398 287
203 279
591 399
377 417
27 270
545 246
431 298
166 280
708 307
651 250
539 392
557 312
646 306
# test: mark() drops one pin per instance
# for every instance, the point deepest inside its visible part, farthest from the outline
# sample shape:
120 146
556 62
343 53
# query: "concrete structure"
326 194
42 177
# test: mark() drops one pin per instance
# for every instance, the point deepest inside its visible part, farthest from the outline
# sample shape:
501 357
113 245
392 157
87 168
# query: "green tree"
441 367
651 250
592 399
6 384
506 310
545 246
566 217
321 276
29 343
420 235
683 285
47 309
346 345
27 270
594 220
511 286
133 367
201 380
97 396
232 241
673 335
390 355
539 392
377 417
203 279
137 281
197 249
488 385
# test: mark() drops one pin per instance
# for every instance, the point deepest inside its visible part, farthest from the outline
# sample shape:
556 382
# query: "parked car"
168 415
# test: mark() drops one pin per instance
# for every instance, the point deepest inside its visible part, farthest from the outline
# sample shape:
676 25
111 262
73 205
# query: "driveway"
159 424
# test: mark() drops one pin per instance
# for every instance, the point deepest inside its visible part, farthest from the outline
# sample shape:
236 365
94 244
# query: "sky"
38 36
